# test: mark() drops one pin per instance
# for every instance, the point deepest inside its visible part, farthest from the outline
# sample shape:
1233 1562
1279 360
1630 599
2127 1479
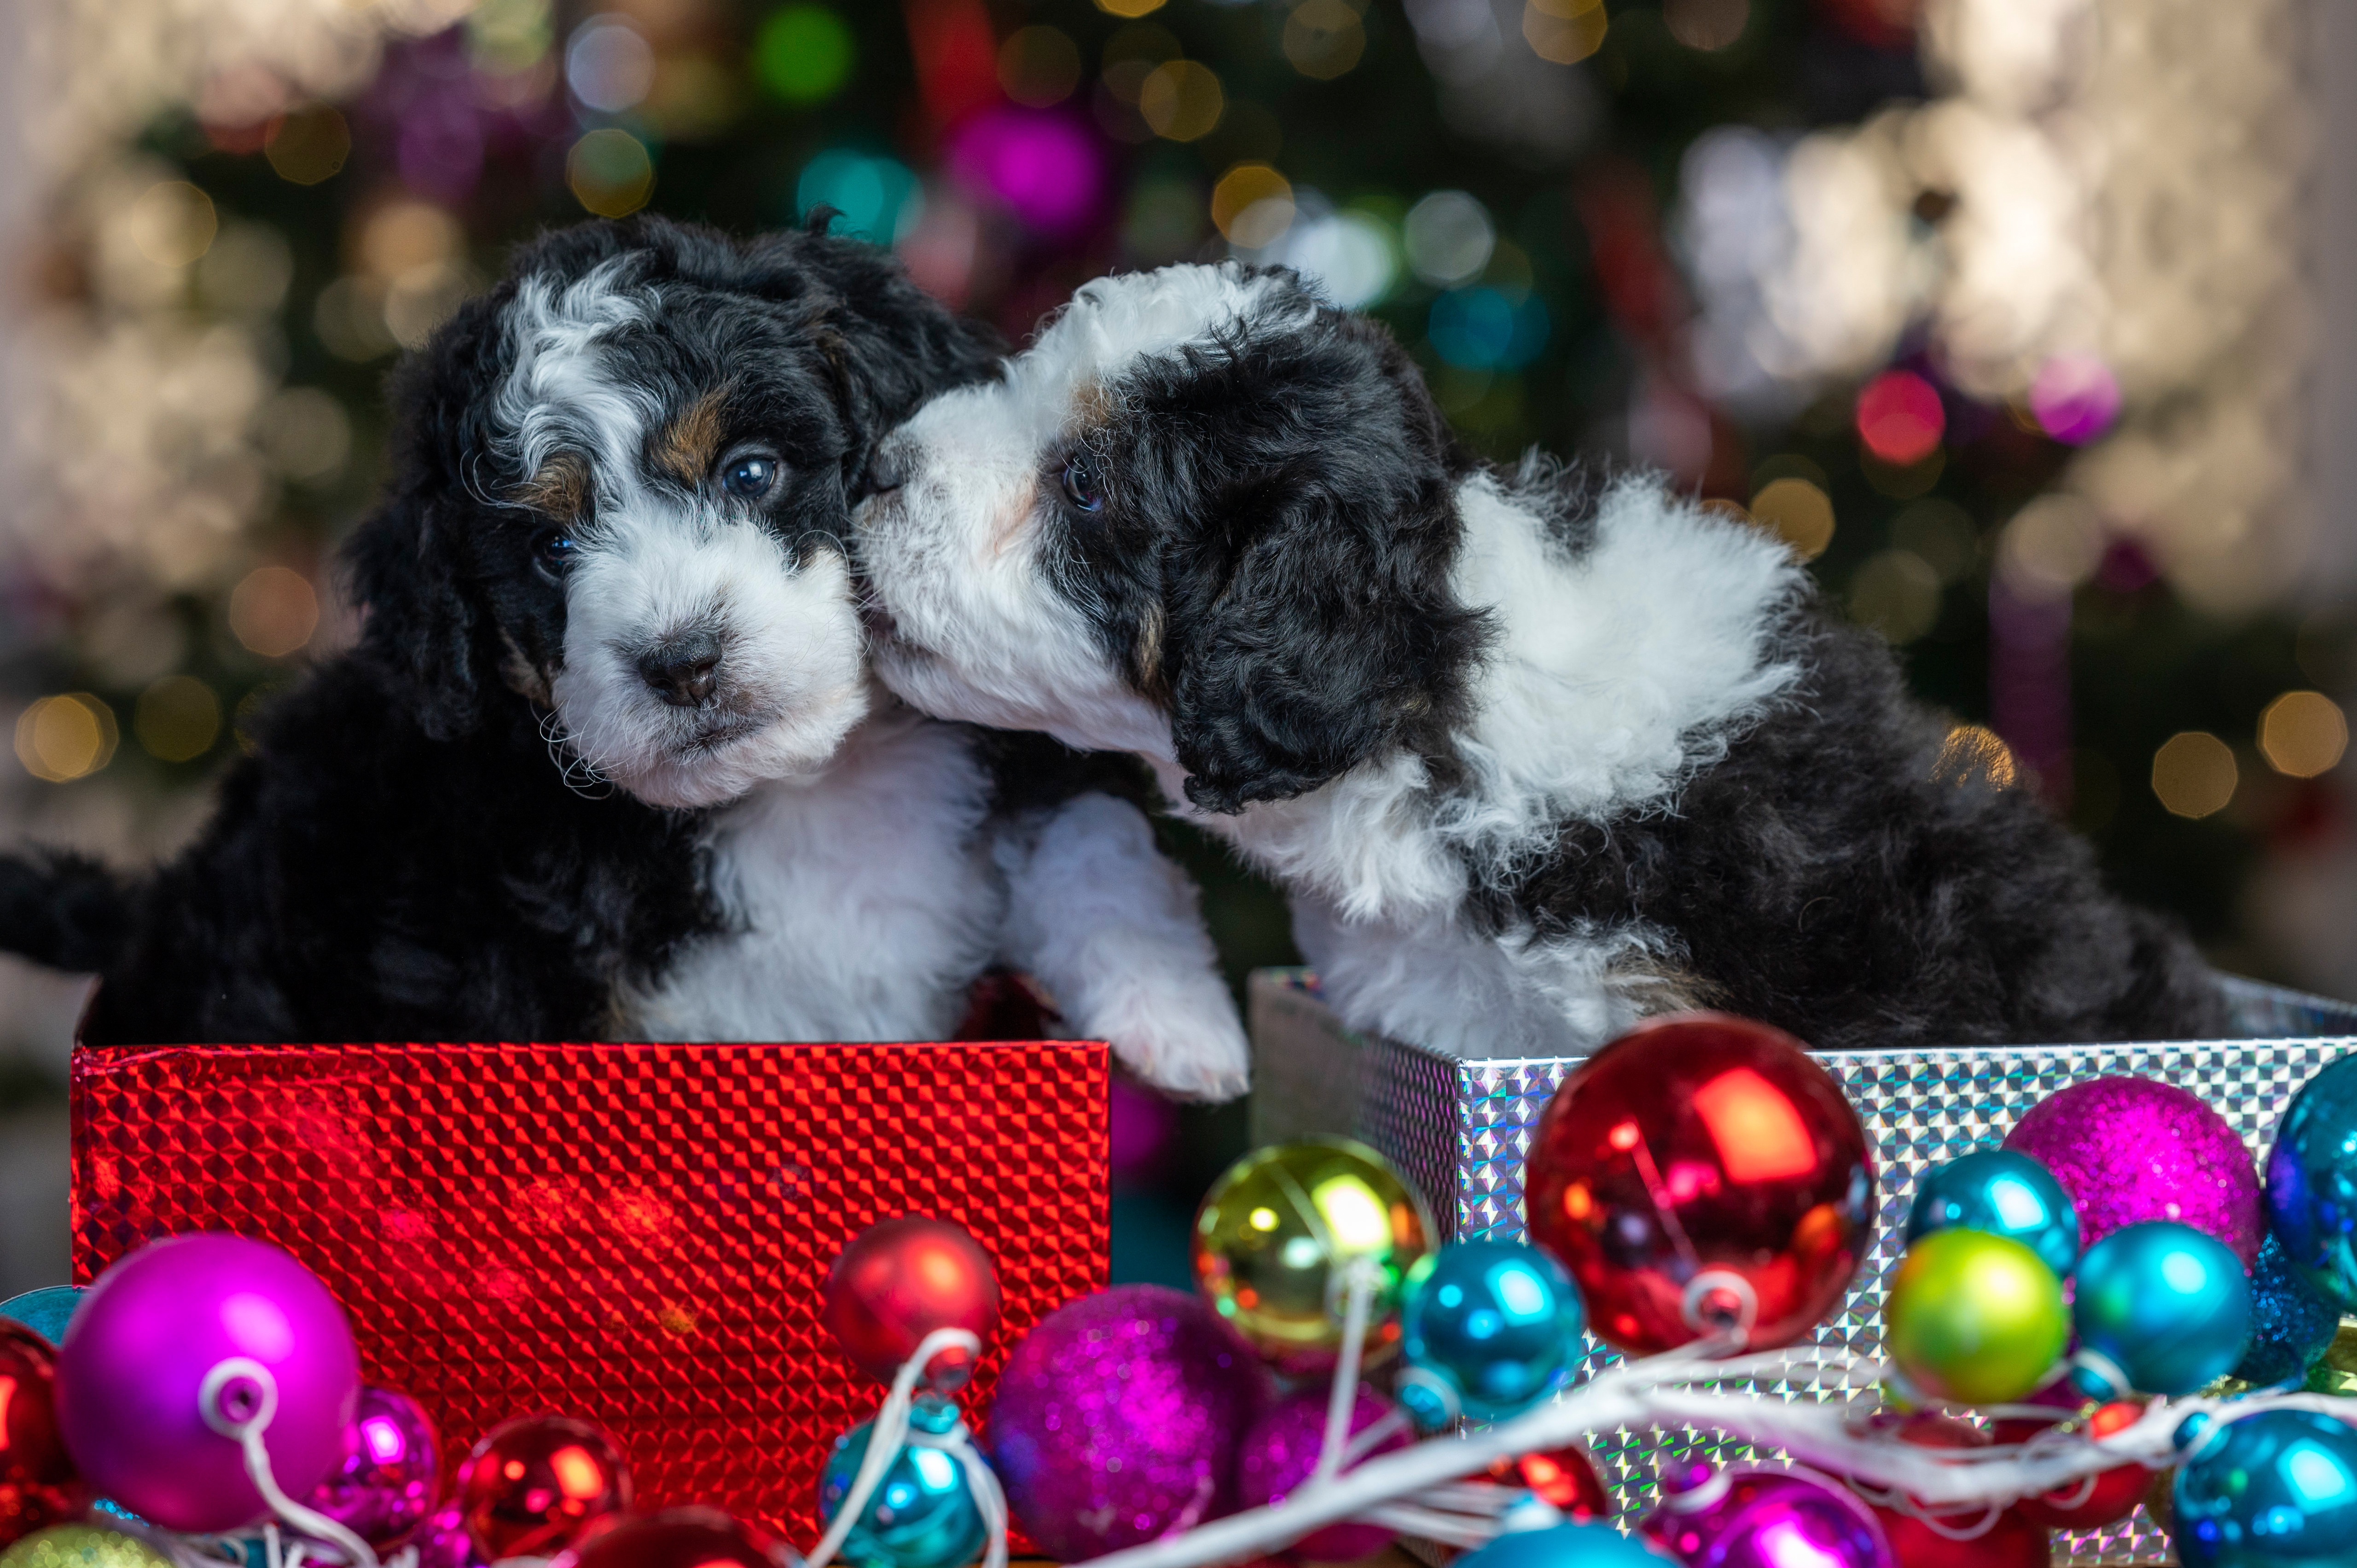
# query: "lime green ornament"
1975 1317
81 1546
1281 1236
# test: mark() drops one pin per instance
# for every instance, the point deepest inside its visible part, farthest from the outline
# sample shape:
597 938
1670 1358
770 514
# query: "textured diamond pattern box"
1458 1126
638 1234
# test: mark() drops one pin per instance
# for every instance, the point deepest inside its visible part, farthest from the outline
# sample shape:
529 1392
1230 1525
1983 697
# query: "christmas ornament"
1489 1329
445 1542
197 1329
2291 1325
2335 1372
1974 1318
2276 1488
530 1486
38 1486
1571 1544
1751 1517
2159 1308
2105 1498
390 1475
1702 1174
2133 1149
676 1538
1565 1478
921 1514
2312 1182
1117 1420
1281 1452
46 1311
897 1282
2004 1193
82 1546
1280 1234
2009 1541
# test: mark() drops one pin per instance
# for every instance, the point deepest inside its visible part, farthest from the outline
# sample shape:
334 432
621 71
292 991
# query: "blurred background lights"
1484 328
1132 8
1252 206
1565 31
173 223
1975 754
176 718
1324 38
1038 66
803 54
2075 397
2051 546
66 737
1899 417
273 611
1351 256
1180 100
1449 237
609 65
1706 25
1797 511
305 433
877 194
1042 165
2194 774
309 145
1897 593
2303 733
609 172
508 37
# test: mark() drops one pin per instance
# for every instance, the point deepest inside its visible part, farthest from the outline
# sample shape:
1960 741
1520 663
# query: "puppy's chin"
713 774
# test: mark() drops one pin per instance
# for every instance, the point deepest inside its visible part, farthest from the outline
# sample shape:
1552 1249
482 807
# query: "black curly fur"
401 858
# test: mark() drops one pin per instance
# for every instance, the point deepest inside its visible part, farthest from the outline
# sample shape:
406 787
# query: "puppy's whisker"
579 774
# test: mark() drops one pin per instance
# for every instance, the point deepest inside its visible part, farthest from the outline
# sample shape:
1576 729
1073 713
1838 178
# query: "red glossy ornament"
1702 1172
2113 1493
2012 1542
532 1486
900 1280
1565 1477
675 1538
38 1486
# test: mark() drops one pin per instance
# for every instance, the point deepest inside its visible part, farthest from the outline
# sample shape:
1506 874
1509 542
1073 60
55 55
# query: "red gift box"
638 1234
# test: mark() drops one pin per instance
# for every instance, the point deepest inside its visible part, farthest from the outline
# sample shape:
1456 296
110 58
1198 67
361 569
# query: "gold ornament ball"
1280 1234
2335 1372
81 1546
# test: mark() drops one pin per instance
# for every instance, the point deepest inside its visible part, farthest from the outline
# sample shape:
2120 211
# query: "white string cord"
884 1438
1359 1283
981 1483
239 1399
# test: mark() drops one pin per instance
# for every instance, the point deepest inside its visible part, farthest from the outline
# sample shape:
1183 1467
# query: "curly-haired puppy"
607 591
1533 754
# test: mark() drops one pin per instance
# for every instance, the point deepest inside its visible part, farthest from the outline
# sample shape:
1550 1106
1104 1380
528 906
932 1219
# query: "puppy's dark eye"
1082 485
750 476
552 550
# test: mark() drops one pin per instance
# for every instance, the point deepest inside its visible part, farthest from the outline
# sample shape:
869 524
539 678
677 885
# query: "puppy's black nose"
680 668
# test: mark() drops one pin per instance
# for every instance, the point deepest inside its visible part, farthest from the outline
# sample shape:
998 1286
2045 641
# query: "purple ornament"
445 1542
1118 1419
1751 1517
144 1345
2132 1149
1280 1451
389 1477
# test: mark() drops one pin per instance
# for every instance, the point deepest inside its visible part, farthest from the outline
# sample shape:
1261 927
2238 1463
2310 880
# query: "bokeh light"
1351 255
2194 774
1043 166
1797 511
609 65
2075 397
1449 237
2051 546
2303 733
609 172
1324 38
803 54
1038 66
1941 535
1706 25
274 611
1899 417
1252 206
1897 593
1181 101
1565 31
309 145
877 194
508 37
305 433
66 737
1484 328
1975 754
173 223
1131 8
176 718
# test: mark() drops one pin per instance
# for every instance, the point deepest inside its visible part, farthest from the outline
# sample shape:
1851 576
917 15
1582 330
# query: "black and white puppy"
605 594
1533 754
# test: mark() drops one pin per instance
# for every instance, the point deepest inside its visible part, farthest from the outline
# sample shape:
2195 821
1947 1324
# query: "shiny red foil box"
638 1234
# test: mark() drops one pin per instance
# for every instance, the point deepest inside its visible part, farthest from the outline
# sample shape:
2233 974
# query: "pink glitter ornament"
1280 1451
1118 1419
2131 1149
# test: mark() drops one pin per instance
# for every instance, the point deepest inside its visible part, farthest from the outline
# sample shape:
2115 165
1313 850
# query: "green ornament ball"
1974 1318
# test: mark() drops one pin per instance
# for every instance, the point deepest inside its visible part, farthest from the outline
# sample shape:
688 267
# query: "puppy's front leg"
1114 932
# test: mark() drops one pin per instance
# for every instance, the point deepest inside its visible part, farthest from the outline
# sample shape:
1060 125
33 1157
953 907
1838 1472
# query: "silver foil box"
1458 1127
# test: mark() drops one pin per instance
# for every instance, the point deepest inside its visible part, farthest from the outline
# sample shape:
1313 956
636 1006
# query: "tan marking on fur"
1092 404
690 444
560 490
1149 650
1014 521
1655 985
522 677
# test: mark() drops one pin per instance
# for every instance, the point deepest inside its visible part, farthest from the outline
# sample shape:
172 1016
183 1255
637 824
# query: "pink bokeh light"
2074 398
1041 164
1899 417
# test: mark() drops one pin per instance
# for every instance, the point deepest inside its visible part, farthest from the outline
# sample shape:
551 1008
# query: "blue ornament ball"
1594 1544
2290 1323
2312 1182
2276 1490
2162 1308
920 1515
1489 1327
46 1311
2005 1194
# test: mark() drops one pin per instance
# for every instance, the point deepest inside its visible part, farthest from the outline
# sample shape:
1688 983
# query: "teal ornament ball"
2162 1308
921 1514
2312 1182
2277 1489
1594 1544
1489 1329
46 1311
2005 1194
2291 1325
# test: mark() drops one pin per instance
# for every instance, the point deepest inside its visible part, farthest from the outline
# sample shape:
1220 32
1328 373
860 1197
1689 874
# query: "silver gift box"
1458 1127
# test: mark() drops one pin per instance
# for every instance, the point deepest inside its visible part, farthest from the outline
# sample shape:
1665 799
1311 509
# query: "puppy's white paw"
1190 1044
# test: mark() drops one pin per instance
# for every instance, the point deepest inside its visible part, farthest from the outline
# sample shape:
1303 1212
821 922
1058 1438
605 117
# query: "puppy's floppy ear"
1310 616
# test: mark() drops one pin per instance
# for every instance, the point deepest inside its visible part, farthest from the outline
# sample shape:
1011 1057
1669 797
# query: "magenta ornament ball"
1281 1450
136 1356
1753 1517
1118 1419
389 1477
2131 1149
